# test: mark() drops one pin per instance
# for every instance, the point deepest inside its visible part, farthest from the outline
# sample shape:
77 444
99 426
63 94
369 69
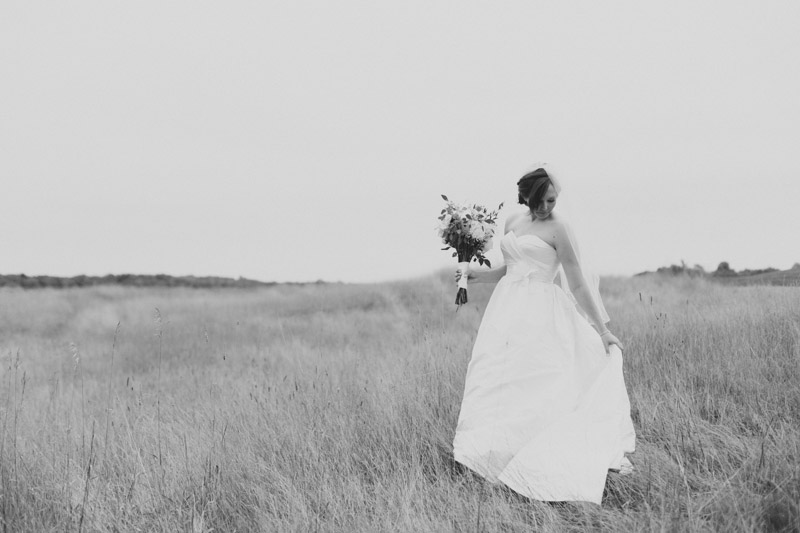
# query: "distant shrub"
724 269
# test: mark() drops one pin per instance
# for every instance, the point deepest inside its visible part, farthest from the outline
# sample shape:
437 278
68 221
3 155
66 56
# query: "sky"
307 140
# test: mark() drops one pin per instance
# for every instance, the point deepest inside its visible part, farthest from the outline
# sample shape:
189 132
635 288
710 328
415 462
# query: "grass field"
332 408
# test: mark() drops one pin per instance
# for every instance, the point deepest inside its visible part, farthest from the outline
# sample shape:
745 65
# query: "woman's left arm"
577 283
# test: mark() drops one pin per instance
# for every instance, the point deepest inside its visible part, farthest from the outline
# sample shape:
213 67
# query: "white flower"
477 232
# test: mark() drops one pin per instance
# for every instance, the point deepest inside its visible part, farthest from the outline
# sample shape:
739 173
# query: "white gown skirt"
545 409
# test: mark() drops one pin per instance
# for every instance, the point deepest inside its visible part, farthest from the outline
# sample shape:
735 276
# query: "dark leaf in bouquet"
488 263
445 198
455 254
446 248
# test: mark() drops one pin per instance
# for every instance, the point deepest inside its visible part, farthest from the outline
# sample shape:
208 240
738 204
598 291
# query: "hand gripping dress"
545 409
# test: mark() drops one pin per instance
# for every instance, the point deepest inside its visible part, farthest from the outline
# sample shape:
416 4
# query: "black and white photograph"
409 266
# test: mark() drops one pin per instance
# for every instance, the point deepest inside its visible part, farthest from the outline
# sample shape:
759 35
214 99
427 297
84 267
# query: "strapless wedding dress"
545 409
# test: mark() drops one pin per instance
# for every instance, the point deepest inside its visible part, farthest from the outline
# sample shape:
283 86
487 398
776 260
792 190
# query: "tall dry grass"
332 408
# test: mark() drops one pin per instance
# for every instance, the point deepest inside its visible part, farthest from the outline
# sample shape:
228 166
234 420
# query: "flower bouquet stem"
463 266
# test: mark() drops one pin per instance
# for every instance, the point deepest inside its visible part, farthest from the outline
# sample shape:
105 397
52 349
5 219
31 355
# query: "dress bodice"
529 257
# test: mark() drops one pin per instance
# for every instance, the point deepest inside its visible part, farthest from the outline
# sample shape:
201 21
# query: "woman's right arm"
492 275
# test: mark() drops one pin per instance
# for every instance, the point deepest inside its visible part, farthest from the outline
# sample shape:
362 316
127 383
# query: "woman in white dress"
545 410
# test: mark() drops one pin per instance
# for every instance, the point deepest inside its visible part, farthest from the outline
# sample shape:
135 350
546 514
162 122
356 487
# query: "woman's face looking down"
546 206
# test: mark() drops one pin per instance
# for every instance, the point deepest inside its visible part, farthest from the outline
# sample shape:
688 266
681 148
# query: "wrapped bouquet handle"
461 296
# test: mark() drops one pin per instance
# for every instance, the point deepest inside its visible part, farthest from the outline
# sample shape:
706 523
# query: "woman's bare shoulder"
559 229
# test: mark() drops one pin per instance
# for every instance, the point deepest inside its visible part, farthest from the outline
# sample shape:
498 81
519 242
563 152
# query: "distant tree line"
723 270
130 280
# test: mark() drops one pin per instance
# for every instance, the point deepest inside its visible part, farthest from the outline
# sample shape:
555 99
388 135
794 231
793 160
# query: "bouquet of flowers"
469 230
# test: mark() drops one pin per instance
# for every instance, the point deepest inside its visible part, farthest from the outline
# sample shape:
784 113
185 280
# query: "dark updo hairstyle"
533 186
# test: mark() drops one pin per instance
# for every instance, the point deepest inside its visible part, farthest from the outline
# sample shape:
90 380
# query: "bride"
545 410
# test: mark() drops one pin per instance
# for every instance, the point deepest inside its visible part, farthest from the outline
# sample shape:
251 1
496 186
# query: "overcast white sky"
310 140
